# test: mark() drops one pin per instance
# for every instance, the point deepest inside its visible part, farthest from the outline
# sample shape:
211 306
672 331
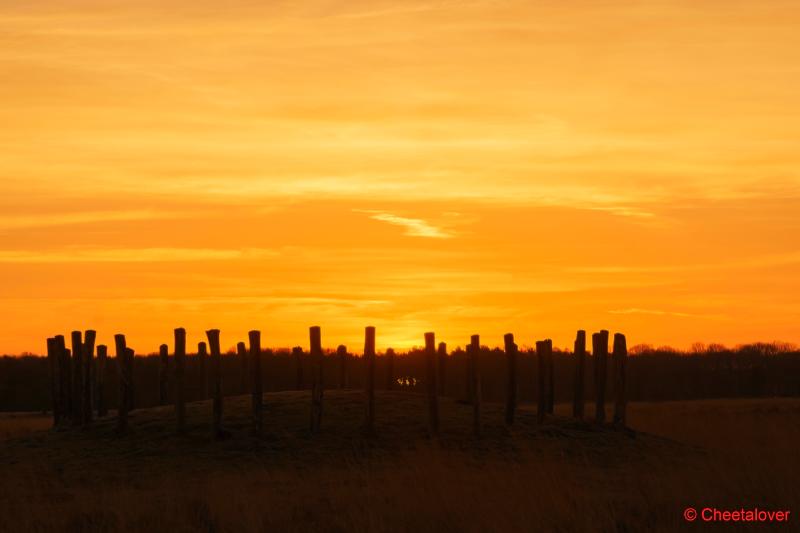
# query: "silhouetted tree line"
654 374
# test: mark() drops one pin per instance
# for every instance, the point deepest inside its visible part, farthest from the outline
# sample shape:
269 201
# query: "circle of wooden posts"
77 378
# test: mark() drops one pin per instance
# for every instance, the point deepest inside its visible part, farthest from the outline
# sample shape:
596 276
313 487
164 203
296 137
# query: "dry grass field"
561 476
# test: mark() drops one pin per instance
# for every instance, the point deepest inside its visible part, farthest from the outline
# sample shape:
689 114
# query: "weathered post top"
369 340
475 341
541 346
315 338
76 338
430 342
508 338
89 338
620 344
213 340
119 342
580 339
180 341
255 339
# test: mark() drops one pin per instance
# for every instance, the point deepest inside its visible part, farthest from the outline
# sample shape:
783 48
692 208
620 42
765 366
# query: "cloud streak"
22 221
132 255
659 312
415 227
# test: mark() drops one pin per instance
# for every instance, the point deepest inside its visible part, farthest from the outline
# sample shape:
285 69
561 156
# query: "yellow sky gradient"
456 166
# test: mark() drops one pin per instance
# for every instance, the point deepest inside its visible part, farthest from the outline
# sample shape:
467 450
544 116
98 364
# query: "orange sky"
456 166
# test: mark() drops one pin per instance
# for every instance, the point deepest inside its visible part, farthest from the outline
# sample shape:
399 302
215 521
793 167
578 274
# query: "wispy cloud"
640 311
132 255
21 221
415 227
625 211
761 261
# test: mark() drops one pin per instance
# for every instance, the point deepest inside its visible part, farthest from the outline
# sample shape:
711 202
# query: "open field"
561 476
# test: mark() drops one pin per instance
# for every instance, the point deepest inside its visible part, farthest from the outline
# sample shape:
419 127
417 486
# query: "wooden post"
579 355
180 381
297 353
216 378
390 382
473 349
131 383
442 354
511 388
473 353
202 356
369 361
77 378
64 379
257 389
620 357
344 378
241 351
52 365
341 351
163 374
542 349
89 338
541 370
431 381
315 338
600 356
100 371
124 381
551 382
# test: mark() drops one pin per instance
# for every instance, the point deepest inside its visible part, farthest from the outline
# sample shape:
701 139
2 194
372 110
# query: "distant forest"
654 374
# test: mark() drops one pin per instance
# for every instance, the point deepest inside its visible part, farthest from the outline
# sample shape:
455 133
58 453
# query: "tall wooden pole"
64 379
257 389
202 360
600 356
241 351
163 374
52 365
180 379
442 370
473 349
511 386
579 381
89 338
369 361
620 359
124 381
315 339
469 370
431 381
551 381
129 360
77 378
216 378
544 351
100 373
341 352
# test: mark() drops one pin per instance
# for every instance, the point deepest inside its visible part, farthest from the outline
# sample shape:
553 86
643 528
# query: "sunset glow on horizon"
458 167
